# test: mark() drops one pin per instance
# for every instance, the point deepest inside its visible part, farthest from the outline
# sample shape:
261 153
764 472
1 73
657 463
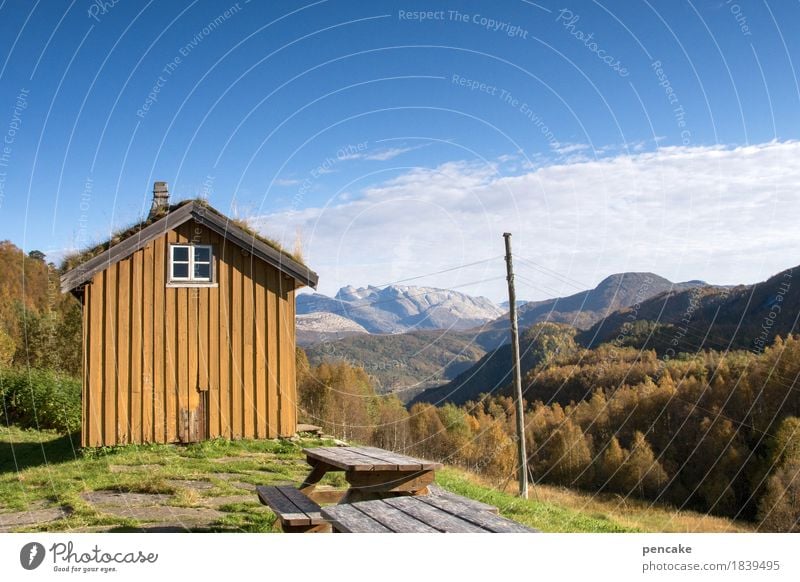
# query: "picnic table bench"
388 492
296 512
420 514
371 473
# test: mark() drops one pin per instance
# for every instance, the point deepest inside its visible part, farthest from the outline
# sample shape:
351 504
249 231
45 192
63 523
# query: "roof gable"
202 214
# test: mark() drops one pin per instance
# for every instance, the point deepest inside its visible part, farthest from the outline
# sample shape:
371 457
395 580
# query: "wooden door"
194 422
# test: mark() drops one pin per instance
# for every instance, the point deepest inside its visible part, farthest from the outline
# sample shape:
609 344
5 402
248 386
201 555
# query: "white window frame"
190 279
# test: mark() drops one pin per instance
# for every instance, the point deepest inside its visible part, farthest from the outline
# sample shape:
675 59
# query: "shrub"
40 399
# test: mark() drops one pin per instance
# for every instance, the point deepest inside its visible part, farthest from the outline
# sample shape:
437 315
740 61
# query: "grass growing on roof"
72 260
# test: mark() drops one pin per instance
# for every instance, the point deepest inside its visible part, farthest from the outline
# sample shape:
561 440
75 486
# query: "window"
191 264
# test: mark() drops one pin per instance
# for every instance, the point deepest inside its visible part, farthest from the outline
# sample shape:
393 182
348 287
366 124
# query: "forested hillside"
492 373
410 362
717 433
39 327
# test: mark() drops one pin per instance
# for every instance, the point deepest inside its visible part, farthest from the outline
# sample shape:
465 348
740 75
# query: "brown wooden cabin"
188 330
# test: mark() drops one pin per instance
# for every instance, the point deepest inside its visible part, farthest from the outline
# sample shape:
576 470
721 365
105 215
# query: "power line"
555 274
554 294
447 270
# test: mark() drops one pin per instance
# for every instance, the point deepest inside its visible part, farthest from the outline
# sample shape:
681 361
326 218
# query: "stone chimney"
160 199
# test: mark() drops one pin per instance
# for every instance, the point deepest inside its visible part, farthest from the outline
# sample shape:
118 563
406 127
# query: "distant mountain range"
686 318
584 309
390 310
740 317
411 362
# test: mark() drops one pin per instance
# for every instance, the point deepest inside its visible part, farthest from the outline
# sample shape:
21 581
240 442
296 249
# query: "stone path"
155 511
13 520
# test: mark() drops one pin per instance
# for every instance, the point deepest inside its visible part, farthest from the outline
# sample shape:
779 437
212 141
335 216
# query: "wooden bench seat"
296 512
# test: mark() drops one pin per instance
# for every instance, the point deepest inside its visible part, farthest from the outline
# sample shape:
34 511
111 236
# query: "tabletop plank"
436 491
404 462
436 518
349 459
345 460
484 519
368 459
392 518
347 518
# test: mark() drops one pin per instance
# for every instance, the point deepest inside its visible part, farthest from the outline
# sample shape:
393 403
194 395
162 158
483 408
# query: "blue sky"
651 136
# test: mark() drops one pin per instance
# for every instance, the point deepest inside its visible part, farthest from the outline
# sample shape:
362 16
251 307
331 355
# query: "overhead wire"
447 270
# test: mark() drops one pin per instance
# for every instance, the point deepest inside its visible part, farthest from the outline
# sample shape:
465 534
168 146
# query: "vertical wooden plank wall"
151 351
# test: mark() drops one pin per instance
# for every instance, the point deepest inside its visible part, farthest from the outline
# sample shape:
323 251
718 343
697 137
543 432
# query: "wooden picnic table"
371 473
421 514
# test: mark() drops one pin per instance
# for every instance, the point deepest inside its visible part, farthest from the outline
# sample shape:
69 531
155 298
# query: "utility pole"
512 314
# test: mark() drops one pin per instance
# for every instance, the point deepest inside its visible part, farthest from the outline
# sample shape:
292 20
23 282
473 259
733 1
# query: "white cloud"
723 214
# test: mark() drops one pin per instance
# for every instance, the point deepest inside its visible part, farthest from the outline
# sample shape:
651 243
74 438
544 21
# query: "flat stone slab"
121 499
225 476
10 521
196 485
168 516
228 499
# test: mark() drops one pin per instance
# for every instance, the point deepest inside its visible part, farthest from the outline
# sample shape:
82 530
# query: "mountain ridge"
400 308
585 308
684 319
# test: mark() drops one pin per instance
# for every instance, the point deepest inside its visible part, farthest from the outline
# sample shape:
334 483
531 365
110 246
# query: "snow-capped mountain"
325 326
400 308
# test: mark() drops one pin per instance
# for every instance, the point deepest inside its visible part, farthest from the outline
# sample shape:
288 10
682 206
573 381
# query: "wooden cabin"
188 330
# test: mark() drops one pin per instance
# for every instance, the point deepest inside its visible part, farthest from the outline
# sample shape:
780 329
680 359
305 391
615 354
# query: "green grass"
44 469
41 469
544 516
561 510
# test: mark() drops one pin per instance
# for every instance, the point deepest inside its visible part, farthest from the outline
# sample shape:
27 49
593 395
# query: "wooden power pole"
512 315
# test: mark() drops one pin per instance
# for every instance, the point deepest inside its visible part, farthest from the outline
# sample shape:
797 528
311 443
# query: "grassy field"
209 487
562 510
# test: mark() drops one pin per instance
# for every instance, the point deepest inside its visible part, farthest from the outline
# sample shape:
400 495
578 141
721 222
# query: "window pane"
180 253
202 254
180 270
202 271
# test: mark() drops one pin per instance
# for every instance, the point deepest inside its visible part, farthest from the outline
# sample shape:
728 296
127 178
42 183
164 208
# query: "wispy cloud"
390 153
568 148
381 155
717 213
287 182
